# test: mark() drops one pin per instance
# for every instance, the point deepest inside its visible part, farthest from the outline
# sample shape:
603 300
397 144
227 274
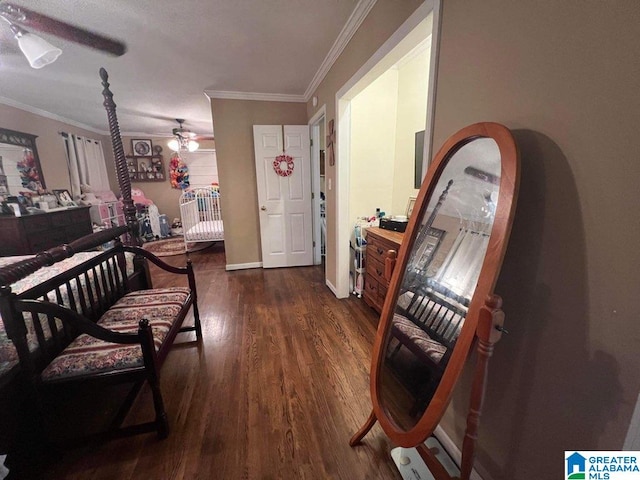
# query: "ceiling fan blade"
200 138
42 23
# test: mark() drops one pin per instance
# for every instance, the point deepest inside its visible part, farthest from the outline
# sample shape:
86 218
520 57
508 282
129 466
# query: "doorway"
421 28
317 129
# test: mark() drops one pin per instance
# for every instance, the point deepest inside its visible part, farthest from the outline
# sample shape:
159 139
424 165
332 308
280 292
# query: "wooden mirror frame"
25 140
501 228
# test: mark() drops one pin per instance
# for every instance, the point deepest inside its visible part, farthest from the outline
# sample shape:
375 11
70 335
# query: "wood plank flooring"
275 391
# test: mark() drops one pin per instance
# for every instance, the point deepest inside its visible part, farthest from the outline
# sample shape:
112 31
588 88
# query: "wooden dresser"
39 231
379 242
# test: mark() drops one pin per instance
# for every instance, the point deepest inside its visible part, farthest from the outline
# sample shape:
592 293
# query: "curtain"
85 161
461 268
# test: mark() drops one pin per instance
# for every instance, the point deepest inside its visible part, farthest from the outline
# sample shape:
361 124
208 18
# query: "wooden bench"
94 323
427 322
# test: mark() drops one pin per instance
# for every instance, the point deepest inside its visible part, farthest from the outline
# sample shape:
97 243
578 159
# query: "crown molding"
267 97
52 116
351 27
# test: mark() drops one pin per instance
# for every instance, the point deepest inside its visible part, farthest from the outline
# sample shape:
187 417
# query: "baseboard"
243 266
478 473
331 287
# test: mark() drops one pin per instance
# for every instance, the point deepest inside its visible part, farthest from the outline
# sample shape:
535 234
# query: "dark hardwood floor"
276 390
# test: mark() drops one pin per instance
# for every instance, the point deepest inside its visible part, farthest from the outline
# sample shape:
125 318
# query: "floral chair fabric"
88 355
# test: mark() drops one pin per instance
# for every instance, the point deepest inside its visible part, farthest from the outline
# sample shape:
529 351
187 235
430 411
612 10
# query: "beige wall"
54 160
233 122
50 145
165 197
564 76
383 20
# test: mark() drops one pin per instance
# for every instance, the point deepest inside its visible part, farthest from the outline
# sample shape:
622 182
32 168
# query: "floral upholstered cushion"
87 355
416 339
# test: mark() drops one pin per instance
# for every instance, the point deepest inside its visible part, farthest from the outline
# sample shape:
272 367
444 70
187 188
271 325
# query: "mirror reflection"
439 281
20 169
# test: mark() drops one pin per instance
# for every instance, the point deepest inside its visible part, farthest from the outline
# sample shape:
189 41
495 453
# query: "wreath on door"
283 165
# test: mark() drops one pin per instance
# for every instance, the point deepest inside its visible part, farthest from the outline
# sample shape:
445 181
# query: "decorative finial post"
122 173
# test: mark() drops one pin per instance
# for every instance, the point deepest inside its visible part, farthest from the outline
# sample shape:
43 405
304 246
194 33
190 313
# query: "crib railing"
201 215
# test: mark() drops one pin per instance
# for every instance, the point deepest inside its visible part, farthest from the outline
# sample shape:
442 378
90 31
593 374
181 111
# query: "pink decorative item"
279 165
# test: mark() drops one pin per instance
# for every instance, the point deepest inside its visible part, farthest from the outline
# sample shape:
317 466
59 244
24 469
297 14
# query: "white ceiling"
176 52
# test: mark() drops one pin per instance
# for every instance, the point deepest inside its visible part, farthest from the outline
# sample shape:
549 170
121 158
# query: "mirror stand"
440 298
488 332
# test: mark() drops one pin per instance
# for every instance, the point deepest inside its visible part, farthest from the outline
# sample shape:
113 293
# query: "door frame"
314 126
349 90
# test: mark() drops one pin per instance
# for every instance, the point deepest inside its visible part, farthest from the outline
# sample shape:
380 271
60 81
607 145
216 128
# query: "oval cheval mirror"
440 297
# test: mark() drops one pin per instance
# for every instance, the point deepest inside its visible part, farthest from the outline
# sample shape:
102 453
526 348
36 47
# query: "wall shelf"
148 168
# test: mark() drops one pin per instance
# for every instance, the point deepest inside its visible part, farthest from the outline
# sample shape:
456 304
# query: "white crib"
201 215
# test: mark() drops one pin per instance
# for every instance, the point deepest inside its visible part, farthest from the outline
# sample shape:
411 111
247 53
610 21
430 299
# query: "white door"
284 202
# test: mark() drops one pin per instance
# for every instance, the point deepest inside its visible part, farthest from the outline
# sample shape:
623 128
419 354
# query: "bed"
8 359
8 354
28 275
201 215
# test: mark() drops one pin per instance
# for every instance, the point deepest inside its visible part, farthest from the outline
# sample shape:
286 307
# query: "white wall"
384 119
373 131
413 78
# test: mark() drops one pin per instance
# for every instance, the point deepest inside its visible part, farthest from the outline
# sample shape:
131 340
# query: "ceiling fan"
38 51
185 140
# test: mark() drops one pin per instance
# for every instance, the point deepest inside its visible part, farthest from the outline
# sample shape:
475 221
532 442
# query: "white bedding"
205 230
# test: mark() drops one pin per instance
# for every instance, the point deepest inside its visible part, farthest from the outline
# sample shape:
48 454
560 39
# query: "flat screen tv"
418 159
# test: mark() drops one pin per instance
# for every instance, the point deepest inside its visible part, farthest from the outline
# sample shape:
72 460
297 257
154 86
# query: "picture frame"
141 147
7 208
64 198
410 204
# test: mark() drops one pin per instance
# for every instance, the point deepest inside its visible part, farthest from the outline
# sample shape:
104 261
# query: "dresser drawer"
38 243
80 215
377 250
370 285
36 223
379 242
77 230
376 269
40 231
371 295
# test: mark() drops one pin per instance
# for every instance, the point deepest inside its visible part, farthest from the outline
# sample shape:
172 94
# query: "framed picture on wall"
141 146
418 161
410 205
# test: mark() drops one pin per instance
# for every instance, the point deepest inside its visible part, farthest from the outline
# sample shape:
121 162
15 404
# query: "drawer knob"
380 251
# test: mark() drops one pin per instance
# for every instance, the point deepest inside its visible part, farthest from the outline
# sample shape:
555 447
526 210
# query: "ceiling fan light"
38 51
193 145
174 145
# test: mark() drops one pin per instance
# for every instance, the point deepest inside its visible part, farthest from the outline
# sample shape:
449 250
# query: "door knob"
263 208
